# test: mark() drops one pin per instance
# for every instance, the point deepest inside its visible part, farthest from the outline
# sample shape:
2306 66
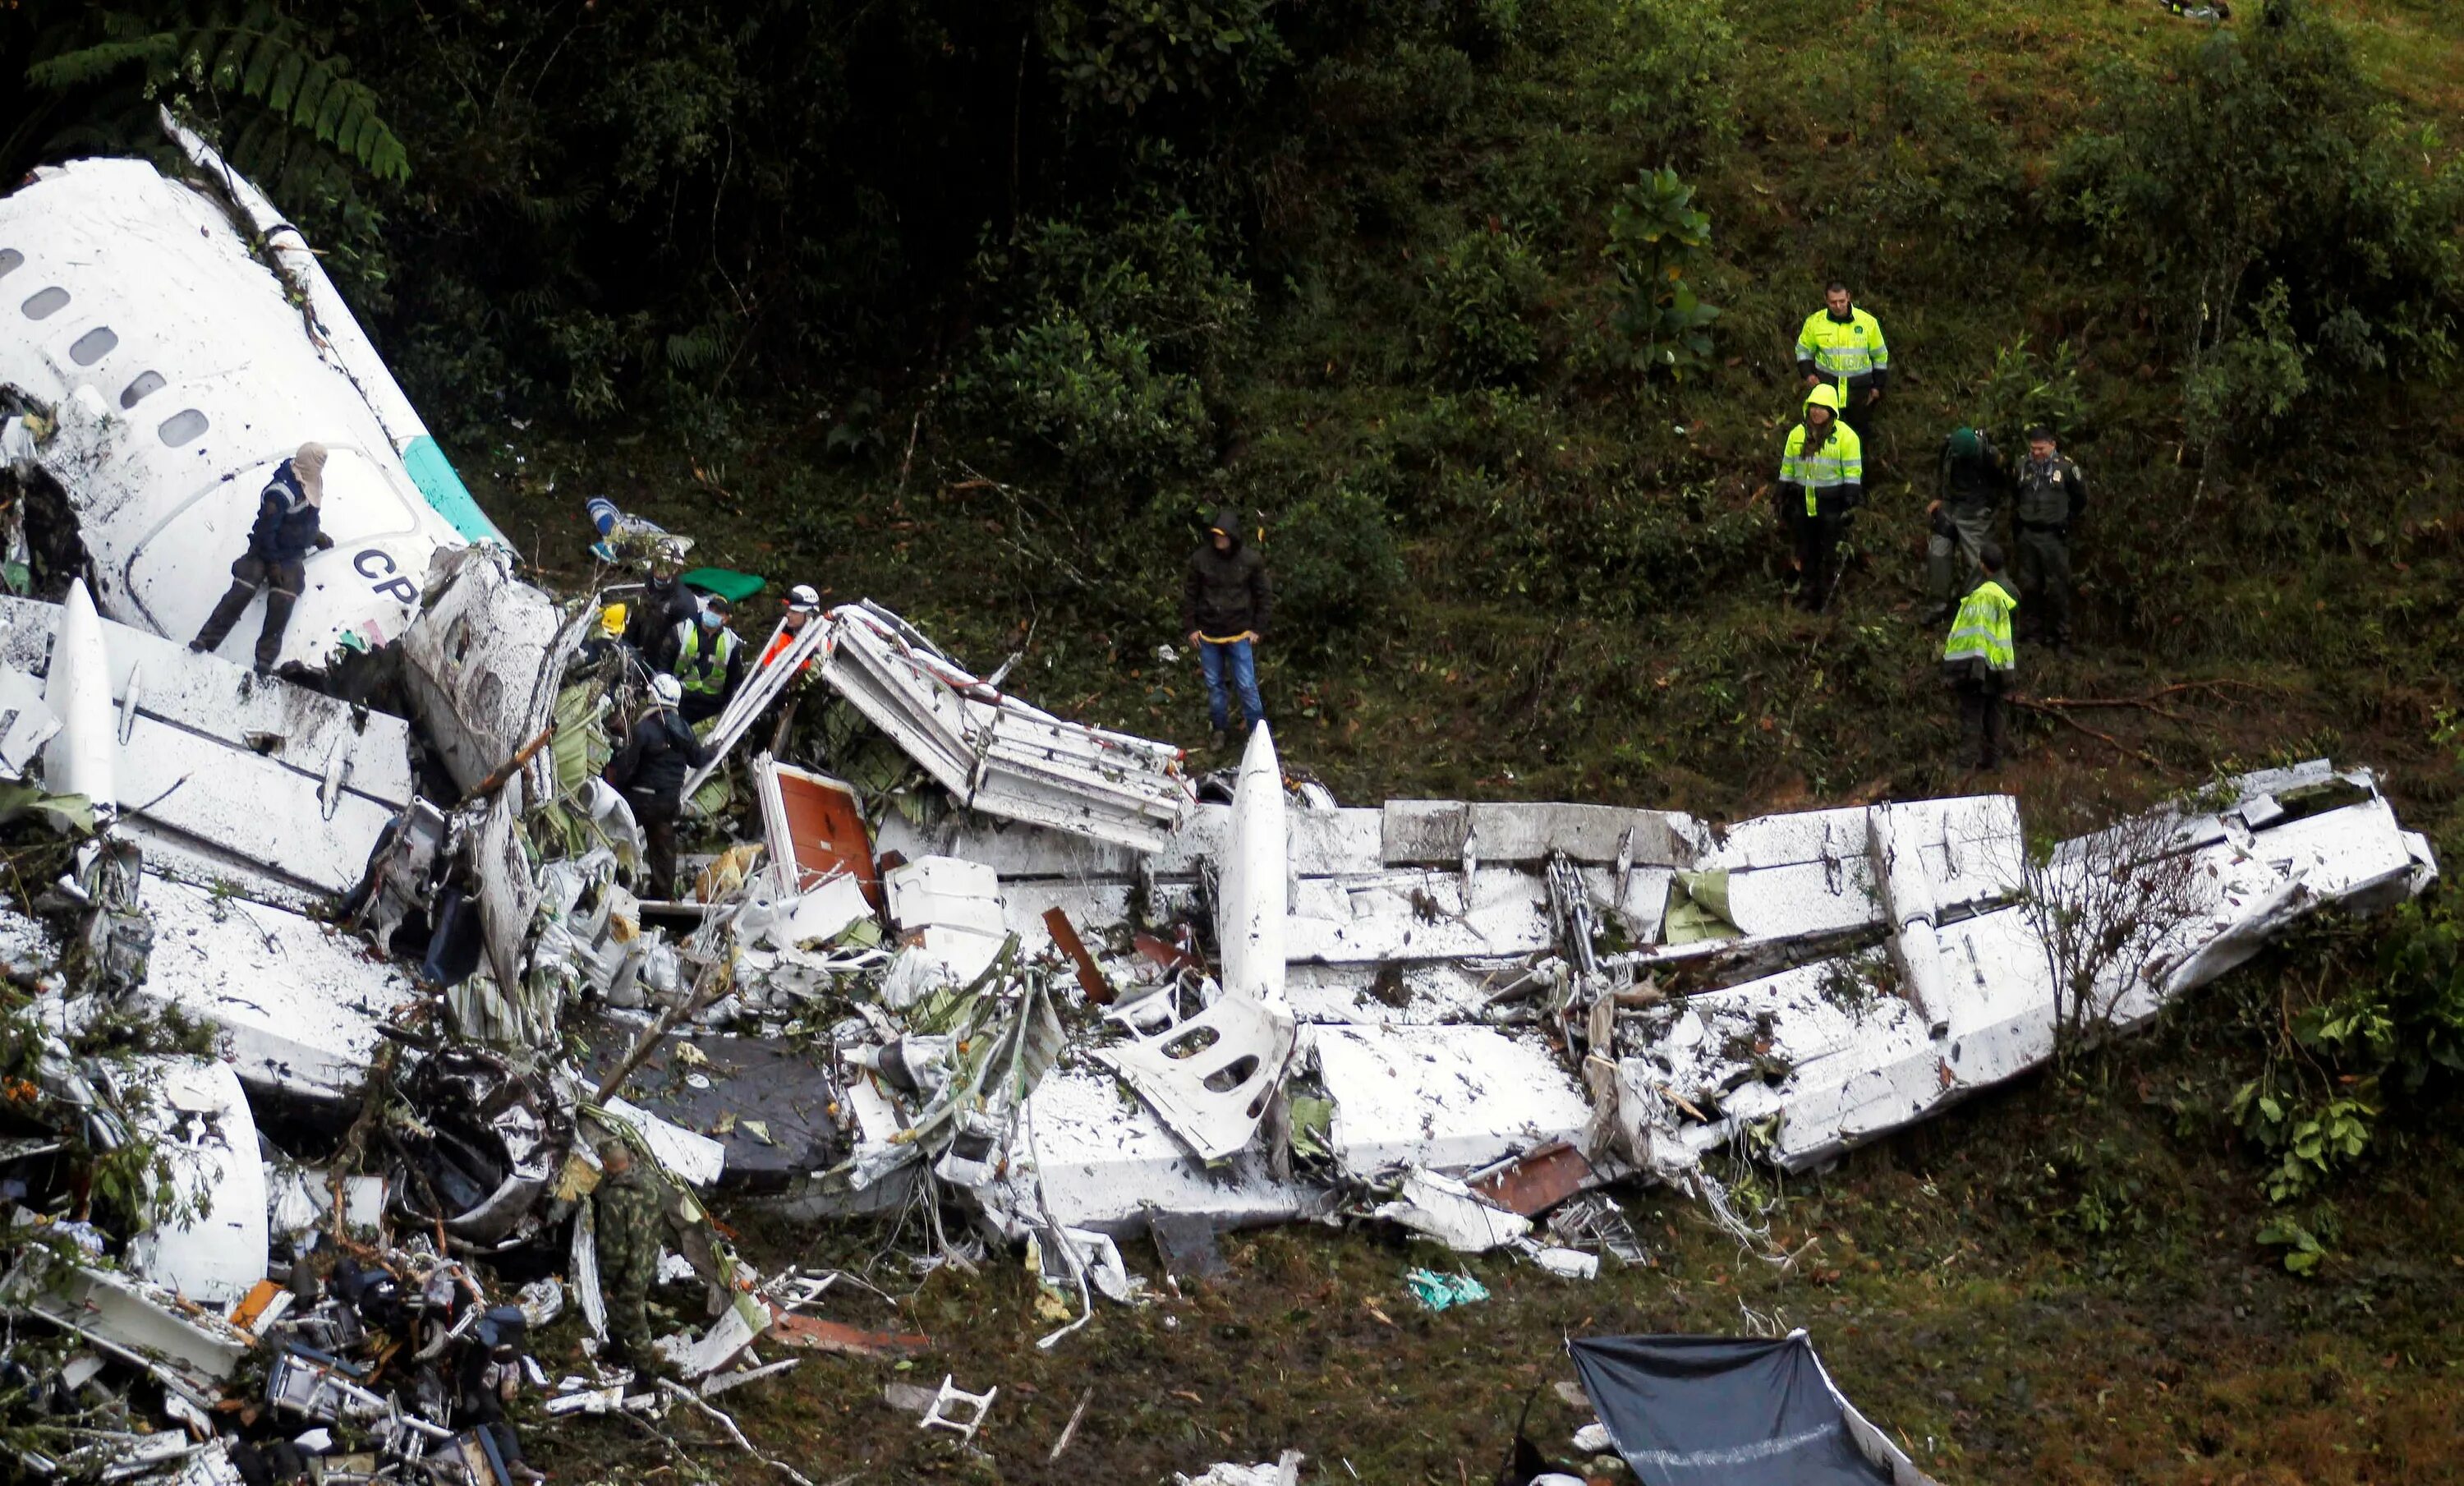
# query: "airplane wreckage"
991 964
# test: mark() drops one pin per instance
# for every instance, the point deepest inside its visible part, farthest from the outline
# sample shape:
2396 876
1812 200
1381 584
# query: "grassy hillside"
972 316
1517 568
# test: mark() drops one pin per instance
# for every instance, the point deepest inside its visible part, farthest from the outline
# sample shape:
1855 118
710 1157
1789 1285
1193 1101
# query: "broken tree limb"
678 1390
1069 1430
705 991
506 770
2051 710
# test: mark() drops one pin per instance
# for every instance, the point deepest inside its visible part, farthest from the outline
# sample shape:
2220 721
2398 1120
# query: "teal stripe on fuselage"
433 475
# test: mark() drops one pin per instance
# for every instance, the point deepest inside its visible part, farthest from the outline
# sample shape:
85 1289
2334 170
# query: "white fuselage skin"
183 375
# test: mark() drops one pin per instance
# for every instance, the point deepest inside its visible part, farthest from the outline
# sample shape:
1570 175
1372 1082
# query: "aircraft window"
46 302
10 260
183 427
93 345
146 386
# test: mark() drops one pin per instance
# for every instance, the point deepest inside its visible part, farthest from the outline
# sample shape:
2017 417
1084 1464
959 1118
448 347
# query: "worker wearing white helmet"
802 604
650 771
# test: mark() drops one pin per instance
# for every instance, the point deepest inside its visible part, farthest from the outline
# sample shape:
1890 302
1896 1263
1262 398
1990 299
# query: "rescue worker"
802 604
1980 658
1841 344
1225 603
1968 479
278 544
709 662
1821 479
2052 493
665 603
649 772
630 1225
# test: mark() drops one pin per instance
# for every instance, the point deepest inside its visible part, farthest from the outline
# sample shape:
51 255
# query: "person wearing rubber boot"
1980 658
1226 600
2052 493
277 559
1821 480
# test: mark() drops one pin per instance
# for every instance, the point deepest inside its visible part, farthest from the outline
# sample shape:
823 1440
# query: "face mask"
709 621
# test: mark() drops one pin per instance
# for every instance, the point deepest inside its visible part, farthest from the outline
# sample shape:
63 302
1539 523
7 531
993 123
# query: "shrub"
2294 237
1483 297
1336 565
1104 362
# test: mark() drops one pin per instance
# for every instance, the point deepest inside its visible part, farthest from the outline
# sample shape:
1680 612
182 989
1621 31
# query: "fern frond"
88 64
286 81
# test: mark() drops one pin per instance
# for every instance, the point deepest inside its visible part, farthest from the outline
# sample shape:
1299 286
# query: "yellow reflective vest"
1853 352
1837 469
700 673
1980 637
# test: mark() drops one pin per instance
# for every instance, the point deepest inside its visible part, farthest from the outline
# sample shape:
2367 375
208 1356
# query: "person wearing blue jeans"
1236 663
1226 601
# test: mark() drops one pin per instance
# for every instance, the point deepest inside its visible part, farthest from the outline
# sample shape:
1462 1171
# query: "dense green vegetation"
1485 309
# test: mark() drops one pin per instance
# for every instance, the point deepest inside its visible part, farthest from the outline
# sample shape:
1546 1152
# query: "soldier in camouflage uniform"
629 1230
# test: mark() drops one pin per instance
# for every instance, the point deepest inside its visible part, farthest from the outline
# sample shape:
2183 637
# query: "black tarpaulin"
1732 1411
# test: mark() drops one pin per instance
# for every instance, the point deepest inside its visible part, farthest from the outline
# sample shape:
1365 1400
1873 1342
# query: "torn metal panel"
298 1002
228 775
769 680
191 1350
27 721
994 753
1104 1161
483 662
1445 1209
1794 840
1452 1099
744 1319
1210 1075
1437 832
211 1245
1537 1180
690 1157
1836 1052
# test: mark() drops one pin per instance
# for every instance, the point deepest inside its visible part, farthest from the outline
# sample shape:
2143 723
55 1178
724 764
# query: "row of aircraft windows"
184 427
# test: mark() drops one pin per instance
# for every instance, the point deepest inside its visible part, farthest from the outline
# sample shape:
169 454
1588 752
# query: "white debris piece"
958 1411
951 910
27 721
994 753
1445 1209
690 1157
210 1244
227 776
77 686
298 1002
1211 1075
1285 1470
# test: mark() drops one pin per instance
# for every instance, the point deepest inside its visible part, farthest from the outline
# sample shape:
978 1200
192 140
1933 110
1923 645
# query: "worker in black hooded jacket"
1224 604
650 770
